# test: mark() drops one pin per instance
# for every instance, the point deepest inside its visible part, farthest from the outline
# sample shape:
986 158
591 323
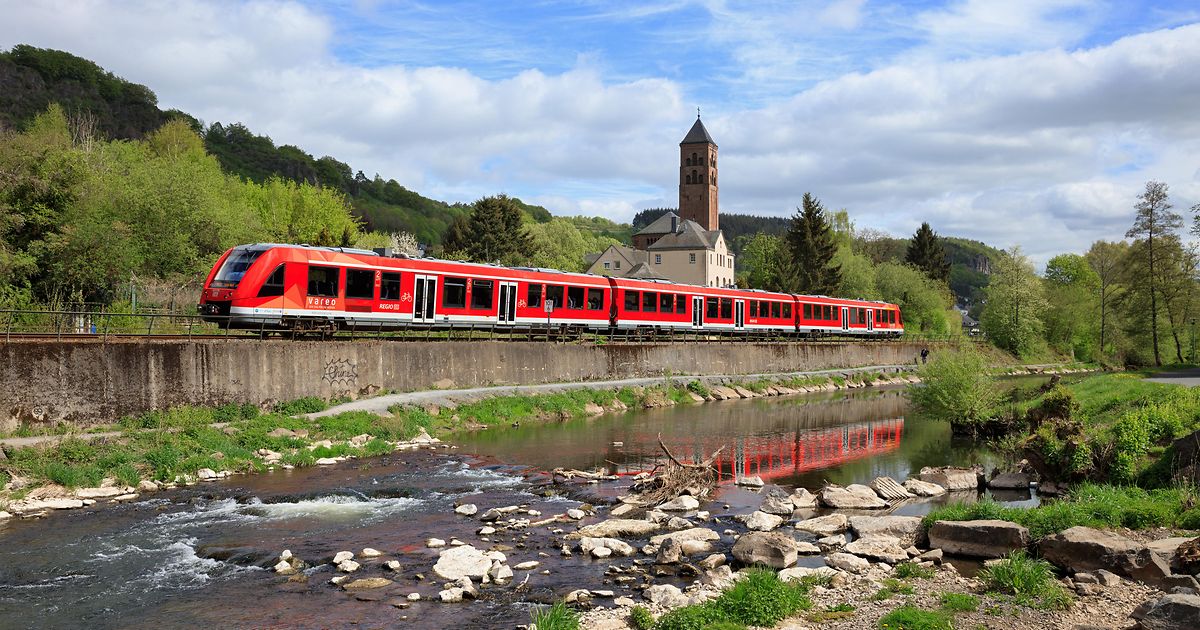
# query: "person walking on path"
924 355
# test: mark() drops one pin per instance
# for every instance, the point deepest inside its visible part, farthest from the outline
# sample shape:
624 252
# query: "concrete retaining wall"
88 382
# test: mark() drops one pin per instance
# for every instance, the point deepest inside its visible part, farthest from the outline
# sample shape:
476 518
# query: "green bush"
912 618
308 404
556 617
955 387
640 618
762 599
1030 580
699 389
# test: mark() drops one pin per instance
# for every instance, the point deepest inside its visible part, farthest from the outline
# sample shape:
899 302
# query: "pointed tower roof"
698 134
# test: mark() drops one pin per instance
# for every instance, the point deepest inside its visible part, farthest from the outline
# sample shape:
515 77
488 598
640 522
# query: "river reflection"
801 441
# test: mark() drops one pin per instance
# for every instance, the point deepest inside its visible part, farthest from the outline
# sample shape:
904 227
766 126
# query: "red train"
300 287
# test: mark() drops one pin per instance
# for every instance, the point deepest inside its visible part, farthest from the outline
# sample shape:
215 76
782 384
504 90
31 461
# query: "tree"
811 244
1108 261
926 253
759 262
1177 282
560 244
495 232
923 301
1154 220
1012 317
1071 293
457 236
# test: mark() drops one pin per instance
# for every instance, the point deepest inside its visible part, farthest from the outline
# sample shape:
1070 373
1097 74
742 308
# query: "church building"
687 247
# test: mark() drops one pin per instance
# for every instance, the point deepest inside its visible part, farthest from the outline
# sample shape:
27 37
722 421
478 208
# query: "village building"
687 247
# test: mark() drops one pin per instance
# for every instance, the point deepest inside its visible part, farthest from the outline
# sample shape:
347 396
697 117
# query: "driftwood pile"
677 477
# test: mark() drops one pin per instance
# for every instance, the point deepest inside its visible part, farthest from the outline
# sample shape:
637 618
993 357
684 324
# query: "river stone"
669 552
751 482
776 504
951 478
466 509
528 565
614 545
37 505
1010 481
677 523
146 485
712 561
451 595
694 534
882 548
802 498
366 583
666 595
1171 612
847 562
853 496
824 525
761 521
980 539
369 552
576 513
888 489
434 543
923 488
908 529
682 503
99 493
326 461
833 542
464 561
1088 549
342 556
500 572
283 567
797 573
772 549
615 527
601 552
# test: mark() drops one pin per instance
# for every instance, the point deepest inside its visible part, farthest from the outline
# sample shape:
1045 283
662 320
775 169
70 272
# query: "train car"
296 287
299 288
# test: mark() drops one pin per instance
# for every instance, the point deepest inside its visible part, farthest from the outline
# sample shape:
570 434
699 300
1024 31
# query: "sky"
1016 122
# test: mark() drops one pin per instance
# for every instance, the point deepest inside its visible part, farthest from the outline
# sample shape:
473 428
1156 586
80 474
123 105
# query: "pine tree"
457 236
1154 220
495 233
810 241
925 252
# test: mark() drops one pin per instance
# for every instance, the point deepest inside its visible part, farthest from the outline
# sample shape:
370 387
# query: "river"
197 556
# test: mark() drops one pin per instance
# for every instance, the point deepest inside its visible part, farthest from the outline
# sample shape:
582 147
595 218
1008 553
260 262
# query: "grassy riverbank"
174 445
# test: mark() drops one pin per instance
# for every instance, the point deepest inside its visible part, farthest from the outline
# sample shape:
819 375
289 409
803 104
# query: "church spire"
698 177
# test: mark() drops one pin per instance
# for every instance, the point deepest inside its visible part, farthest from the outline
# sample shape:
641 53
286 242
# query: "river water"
197 557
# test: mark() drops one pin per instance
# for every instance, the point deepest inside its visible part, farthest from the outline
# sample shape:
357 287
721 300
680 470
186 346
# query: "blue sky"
1017 122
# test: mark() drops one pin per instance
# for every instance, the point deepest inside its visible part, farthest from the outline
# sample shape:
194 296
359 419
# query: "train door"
845 318
697 311
425 295
739 314
870 319
508 303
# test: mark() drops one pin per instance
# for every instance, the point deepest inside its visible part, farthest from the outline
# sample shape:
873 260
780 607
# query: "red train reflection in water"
792 453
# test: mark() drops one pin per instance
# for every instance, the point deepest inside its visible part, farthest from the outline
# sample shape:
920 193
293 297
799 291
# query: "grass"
912 618
640 618
959 602
1090 505
760 599
906 570
1030 580
556 617
839 611
892 586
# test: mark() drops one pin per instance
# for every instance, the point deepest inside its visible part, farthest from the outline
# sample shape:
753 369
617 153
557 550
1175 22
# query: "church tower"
698 177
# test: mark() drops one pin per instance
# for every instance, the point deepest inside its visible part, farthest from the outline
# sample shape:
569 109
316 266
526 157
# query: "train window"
787 311
862 315
726 308
554 294
235 266
274 284
481 294
534 297
649 301
631 300
595 300
574 297
454 293
710 307
763 309
323 281
360 284
666 302
829 313
753 308
680 304
389 288
808 311
775 309
853 316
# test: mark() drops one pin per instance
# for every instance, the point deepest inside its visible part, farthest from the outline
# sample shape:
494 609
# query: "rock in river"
761 521
464 561
615 527
981 539
853 496
772 549
824 525
366 583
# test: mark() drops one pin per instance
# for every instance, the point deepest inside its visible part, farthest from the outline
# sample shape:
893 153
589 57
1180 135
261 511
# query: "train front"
225 285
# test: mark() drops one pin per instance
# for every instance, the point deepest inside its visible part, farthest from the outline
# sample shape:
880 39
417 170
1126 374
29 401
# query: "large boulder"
682 503
802 498
907 529
1010 481
824 525
614 545
1172 612
848 562
923 488
699 534
616 527
1088 549
772 549
881 548
981 539
776 503
460 562
852 497
888 489
951 478
666 595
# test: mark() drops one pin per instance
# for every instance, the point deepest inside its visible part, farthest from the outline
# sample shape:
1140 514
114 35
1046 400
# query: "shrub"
762 599
308 404
959 602
556 617
690 618
640 618
912 618
1190 519
698 388
955 388
1030 580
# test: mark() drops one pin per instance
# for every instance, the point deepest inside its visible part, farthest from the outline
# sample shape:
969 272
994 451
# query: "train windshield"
235 267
